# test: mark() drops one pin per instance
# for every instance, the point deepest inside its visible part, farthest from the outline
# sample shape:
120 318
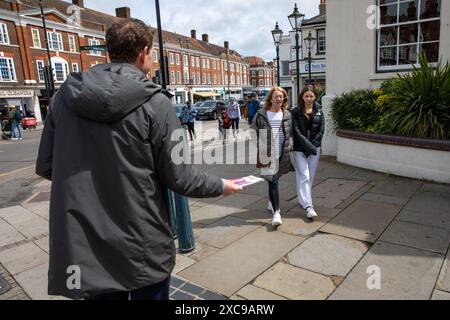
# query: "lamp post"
296 20
48 71
309 43
277 33
228 74
179 213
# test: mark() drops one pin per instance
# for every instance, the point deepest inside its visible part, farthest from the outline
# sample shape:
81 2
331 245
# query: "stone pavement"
377 237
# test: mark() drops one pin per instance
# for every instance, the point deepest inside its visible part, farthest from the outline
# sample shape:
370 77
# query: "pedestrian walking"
234 111
251 108
275 121
309 127
187 117
107 148
16 118
225 123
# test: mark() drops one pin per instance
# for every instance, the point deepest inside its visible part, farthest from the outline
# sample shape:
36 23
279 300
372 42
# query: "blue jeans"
17 133
158 292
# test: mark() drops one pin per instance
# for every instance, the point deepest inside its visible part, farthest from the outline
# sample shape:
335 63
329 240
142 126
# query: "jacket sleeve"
318 139
177 175
306 145
45 154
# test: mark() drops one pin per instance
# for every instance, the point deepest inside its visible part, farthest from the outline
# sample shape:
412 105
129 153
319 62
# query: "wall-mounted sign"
16 93
317 66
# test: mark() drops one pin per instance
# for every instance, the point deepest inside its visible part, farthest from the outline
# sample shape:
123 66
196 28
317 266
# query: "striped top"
276 121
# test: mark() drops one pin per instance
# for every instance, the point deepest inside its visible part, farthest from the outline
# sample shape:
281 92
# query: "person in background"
16 117
251 108
187 117
234 111
225 122
309 126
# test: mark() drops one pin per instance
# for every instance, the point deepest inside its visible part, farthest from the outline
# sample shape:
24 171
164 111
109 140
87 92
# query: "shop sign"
16 93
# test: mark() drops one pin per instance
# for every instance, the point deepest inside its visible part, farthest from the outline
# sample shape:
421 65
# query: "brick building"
196 68
261 75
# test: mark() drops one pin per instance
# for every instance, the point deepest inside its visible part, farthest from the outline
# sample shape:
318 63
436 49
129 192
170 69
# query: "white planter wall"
410 162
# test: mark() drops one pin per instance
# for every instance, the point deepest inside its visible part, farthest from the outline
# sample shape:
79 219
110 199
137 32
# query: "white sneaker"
269 207
310 213
276 221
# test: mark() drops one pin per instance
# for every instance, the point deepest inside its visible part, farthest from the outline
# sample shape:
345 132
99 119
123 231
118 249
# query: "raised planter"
409 157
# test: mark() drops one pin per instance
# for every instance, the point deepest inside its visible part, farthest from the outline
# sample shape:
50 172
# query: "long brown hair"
268 101
301 102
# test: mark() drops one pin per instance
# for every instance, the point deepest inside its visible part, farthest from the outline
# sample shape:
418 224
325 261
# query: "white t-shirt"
276 121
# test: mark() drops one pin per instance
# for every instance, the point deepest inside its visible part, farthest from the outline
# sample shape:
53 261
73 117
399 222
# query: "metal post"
228 76
309 63
278 65
179 215
50 87
297 48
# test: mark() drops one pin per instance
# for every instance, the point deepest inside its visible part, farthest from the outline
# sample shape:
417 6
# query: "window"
61 71
155 56
171 58
209 78
197 60
36 38
232 67
204 63
75 67
193 61
204 78
72 46
321 43
172 77
186 76
232 79
193 78
253 73
407 28
179 76
177 57
225 66
261 83
94 42
40 69
4 37
55 41
7 70
254 83
261 73
215 79
198 78
186 60
207 63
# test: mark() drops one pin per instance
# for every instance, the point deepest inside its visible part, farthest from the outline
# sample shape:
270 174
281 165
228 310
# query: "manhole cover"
4 286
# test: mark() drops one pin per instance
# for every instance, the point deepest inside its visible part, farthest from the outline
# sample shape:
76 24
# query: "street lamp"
310 41
228 74
48 72
296 20
277 33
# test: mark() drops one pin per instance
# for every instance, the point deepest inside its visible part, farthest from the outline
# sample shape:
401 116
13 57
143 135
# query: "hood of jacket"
107 93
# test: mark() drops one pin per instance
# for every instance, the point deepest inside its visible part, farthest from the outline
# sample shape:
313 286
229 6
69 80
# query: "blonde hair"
268 102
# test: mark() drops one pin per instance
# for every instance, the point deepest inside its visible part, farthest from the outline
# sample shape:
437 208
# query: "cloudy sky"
246 24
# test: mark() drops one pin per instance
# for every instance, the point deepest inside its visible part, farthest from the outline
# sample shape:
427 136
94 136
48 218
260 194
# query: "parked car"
210 109
28 123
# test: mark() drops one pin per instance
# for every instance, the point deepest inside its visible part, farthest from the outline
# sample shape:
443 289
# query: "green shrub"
355 110
417 104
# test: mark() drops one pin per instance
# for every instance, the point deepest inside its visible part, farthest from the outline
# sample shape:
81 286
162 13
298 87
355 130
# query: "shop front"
24 100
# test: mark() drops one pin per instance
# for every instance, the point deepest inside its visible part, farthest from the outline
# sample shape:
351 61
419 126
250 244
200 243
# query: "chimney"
123 12
322 7
226 44
79 3
205 37
193 34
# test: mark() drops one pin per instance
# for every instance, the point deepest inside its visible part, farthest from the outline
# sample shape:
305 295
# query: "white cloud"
246 24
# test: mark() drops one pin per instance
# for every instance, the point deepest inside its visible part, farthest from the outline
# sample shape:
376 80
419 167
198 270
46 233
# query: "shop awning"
206 94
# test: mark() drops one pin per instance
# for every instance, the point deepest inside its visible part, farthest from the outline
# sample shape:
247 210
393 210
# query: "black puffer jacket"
308 133
107 148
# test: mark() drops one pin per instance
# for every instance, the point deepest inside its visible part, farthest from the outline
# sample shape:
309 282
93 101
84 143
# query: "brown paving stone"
332 192
399 187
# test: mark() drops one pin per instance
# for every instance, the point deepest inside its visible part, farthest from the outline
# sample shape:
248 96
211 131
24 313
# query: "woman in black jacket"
308 124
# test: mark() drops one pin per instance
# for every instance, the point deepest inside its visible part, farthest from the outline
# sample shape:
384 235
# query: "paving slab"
251 292
397 186
264 217
363 220
435 187
332 192
334 170
321 211
417 236
43 243
35 282
182 262
299 225
42 209
201 251
444 277
377 197
236 265
440 295
8 235
24 221
355 196
261 205
22 258
225 231
295 283
328 254
405 273
428 208
222 208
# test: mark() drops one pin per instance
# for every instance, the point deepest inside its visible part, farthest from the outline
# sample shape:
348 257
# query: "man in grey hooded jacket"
107 148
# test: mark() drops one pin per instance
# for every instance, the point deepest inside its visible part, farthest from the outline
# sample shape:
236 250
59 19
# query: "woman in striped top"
275 124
